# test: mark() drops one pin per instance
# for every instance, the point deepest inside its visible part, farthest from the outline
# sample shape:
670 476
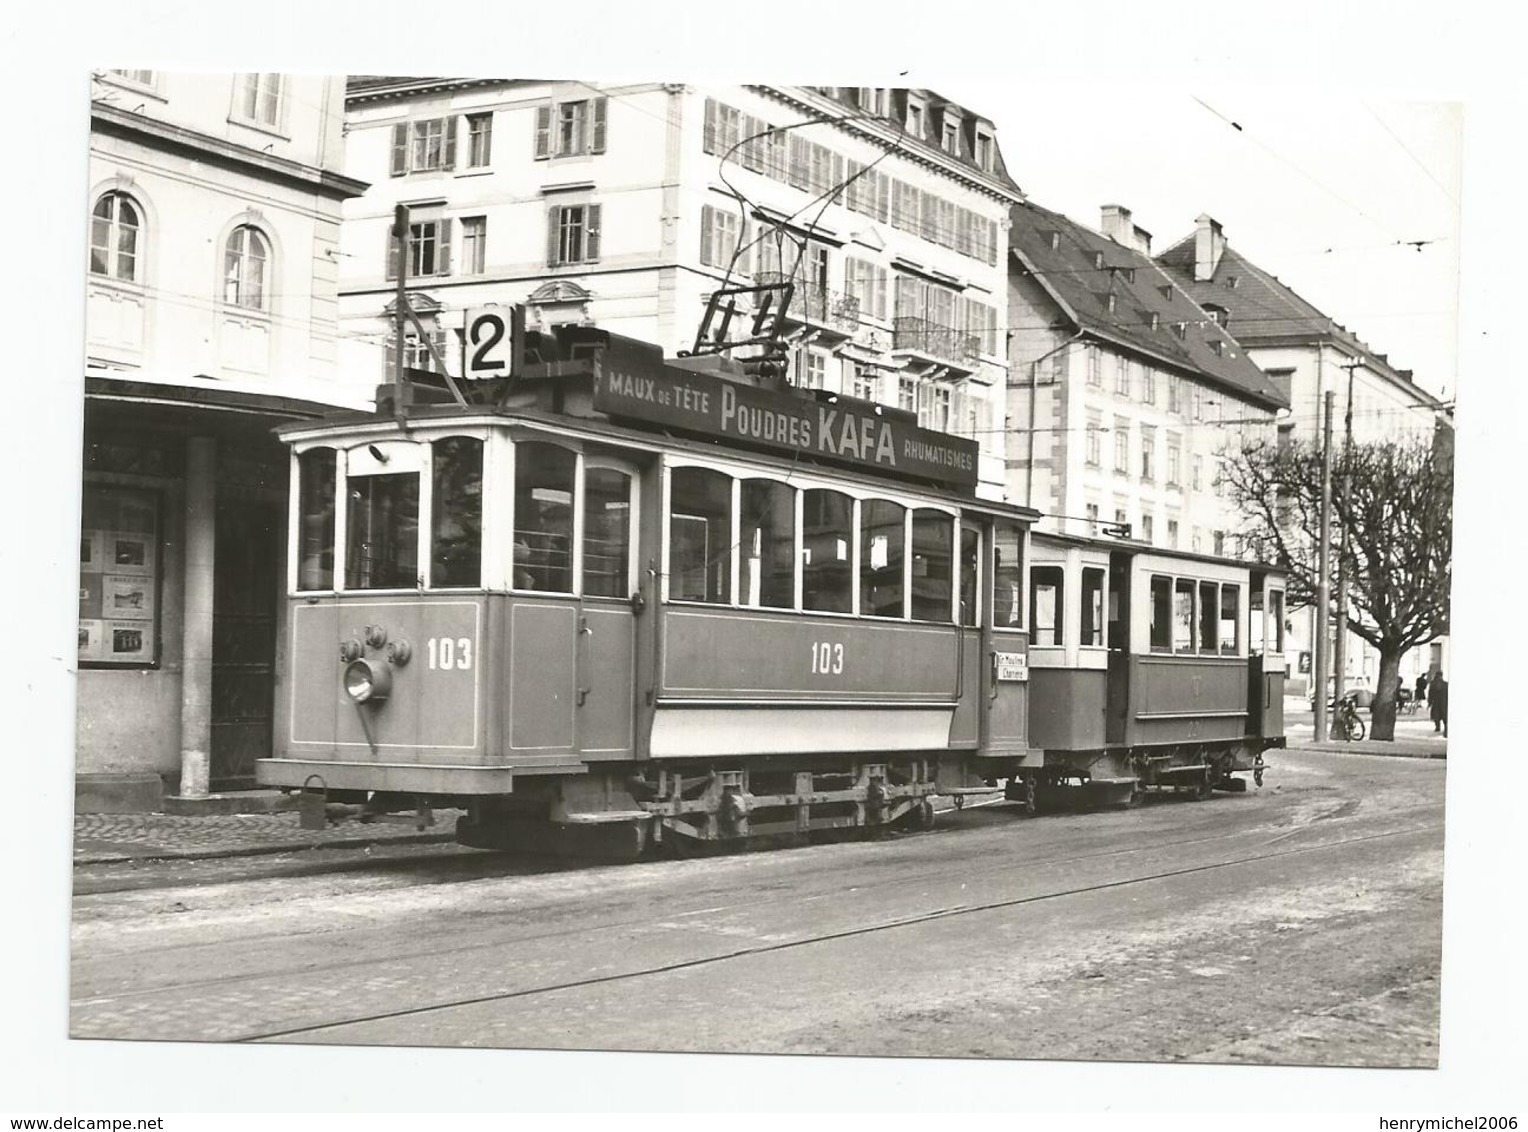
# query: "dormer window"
1167 292
873 99
915 118
1156 321
985 149
950 142
1055 241
1181 330
1109 302
1218 346
1098 260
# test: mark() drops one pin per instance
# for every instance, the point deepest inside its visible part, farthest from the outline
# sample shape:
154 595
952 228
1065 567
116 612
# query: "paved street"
1298 924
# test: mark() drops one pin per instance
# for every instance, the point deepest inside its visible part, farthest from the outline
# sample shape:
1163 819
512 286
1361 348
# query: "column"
196 648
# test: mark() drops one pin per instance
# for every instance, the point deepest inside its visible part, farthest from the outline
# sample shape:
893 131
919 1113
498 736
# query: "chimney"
1116 224
1208 246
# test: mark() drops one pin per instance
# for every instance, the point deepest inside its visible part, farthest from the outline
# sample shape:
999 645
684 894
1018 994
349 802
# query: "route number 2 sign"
489 343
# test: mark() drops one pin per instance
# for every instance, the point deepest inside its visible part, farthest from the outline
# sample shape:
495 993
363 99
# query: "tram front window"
1183 615
1209 617
970 574
769 544
1047 605
315 477
933 555
1092 606
383 523
700 535
827 533
1230 620
881 557
456 524
543 517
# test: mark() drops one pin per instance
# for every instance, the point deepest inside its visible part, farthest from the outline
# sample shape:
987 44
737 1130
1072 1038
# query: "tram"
613 599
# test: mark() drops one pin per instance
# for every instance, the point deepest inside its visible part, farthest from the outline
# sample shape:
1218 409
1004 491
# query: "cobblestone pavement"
110 837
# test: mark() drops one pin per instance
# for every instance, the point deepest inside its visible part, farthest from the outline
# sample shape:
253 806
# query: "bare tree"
1396 501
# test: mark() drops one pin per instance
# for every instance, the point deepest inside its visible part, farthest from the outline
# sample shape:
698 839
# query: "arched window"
114 226
244 263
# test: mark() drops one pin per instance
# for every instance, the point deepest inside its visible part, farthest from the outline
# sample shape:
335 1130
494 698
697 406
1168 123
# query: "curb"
266 850
1368 749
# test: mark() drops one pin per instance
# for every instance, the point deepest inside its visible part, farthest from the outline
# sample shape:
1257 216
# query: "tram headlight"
366 681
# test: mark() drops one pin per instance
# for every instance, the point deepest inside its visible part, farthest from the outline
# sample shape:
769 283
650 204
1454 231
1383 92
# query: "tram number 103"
447 654
827 658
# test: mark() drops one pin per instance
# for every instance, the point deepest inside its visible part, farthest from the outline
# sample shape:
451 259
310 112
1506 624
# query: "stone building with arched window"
211 298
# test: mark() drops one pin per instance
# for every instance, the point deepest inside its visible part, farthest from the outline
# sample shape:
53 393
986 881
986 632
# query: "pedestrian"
1438 690
1421 687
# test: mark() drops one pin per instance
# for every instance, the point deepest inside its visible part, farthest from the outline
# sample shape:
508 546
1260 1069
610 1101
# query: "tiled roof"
1082 268
1263 311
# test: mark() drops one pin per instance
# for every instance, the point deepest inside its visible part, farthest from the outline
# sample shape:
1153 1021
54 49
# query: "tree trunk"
1382 713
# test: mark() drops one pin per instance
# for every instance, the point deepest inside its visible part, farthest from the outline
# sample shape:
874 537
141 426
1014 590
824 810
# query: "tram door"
572 632
1007 676
1117 696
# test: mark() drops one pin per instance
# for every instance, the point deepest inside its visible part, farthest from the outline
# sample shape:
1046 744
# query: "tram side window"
1092 606
383 522
543 540
933 553
882 553
1257 623
768 567
315 479
1008 576
1209 617
1161 613
1230 620
970 573
456 509
700 535
827 533
607 532
1183 615
1275 633
1047 604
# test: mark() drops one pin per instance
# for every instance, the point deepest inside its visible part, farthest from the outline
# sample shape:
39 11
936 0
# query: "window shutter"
543 132
707 228
745 249
449 161
838 177
443 254
592 232
553 216
392 253
992 241
797 171
400 149
708 143
598 109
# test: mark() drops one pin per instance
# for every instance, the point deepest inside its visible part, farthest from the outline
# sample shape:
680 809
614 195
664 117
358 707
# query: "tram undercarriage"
1121 776
620 812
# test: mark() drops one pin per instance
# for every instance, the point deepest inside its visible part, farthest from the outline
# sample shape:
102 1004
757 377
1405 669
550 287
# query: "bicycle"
1347 724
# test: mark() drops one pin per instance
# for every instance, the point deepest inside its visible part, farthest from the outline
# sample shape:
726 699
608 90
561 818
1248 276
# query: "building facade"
211 315
1308 354
628 206
1123 392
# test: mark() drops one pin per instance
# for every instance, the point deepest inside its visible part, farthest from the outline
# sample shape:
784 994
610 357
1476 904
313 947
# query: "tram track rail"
820 938
900 879
1255 854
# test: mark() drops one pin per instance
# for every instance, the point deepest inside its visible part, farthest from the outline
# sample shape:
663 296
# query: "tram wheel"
1204 787
923 814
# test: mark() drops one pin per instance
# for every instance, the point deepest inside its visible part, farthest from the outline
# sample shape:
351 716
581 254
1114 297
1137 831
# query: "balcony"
815 305
937 343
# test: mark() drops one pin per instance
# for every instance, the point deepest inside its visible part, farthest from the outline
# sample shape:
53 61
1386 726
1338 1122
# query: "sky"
1328 193
1351 140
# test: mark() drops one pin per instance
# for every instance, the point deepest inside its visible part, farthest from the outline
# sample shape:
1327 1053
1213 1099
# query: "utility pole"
1340 668
1324 571
401 313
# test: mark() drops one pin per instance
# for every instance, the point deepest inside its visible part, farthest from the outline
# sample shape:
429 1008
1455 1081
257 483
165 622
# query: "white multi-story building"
211 305
1308 354
1123 392
628 206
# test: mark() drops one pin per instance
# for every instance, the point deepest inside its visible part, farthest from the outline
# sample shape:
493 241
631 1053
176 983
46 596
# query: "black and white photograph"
944 576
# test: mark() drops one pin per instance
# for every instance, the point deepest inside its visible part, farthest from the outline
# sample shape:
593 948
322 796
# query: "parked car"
1357 686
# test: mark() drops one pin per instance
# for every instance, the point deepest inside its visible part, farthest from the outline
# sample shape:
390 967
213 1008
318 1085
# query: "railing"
817 304
942 342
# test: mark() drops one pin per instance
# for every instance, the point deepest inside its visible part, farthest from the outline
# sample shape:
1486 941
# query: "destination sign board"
844 432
